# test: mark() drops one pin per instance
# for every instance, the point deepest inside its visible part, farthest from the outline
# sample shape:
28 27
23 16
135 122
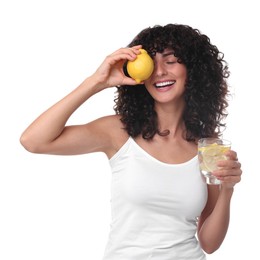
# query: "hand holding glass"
210 151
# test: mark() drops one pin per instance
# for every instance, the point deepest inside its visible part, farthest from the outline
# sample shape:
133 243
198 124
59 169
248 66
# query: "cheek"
183 72
149 88
148 85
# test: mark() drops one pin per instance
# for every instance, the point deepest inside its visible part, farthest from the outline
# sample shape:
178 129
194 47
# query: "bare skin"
49 134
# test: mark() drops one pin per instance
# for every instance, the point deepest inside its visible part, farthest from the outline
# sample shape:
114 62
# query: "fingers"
229 171
232 180
126 53
232 155
111 72
230 164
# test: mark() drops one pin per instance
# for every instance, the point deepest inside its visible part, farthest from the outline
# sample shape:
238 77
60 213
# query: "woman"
159 200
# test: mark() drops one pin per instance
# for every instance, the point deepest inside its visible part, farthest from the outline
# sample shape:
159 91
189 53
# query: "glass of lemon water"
210 151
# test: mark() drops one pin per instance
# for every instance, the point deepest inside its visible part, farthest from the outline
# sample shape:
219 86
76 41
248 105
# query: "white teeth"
165 83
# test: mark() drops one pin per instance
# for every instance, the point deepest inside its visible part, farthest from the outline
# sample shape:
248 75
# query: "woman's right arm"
49 133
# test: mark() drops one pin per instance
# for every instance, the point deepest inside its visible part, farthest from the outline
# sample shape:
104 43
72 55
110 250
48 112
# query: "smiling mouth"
165 84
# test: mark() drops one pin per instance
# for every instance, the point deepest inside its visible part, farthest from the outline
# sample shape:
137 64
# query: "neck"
171 118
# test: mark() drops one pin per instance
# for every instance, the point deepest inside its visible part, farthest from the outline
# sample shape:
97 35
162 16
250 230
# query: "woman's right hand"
110 73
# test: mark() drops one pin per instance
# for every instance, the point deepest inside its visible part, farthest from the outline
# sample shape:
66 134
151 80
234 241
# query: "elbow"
29 144
209 248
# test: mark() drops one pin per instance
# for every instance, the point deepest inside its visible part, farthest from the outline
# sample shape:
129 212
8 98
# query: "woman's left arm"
214 220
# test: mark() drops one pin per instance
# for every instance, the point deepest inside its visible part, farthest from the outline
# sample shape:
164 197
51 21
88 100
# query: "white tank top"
154 207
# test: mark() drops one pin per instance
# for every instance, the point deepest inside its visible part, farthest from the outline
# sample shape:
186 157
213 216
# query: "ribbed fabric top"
154 207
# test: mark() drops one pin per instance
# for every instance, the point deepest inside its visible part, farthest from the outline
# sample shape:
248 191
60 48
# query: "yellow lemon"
141 68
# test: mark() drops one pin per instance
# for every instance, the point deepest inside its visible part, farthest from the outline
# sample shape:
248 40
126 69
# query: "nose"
159 69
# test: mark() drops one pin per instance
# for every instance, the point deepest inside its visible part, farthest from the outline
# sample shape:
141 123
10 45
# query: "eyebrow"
168 54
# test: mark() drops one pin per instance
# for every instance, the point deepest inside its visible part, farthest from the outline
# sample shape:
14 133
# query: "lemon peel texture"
141 68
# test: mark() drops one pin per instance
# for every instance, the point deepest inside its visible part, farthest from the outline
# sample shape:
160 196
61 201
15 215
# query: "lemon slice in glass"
211 154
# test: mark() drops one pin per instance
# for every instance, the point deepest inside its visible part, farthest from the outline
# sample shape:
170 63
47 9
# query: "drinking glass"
210 151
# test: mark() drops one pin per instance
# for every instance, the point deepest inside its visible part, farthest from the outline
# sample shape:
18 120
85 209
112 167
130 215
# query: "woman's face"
167 82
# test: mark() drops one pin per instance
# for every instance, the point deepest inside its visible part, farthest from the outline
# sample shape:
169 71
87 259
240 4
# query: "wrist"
228 191
92 84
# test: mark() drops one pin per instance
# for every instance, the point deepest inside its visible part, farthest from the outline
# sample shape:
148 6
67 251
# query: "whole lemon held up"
141 68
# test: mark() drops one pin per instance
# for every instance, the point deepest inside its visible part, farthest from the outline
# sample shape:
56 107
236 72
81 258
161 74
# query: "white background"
57 207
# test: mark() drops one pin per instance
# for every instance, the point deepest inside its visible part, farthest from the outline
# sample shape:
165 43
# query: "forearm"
50 124
213 231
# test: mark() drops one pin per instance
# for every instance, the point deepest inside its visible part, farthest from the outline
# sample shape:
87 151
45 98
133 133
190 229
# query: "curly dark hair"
205 91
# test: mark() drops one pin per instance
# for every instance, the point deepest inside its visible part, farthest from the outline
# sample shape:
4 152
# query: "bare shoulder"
111 131
109 120
110 125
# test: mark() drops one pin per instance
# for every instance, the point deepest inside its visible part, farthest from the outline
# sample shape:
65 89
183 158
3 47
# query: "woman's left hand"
229 172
